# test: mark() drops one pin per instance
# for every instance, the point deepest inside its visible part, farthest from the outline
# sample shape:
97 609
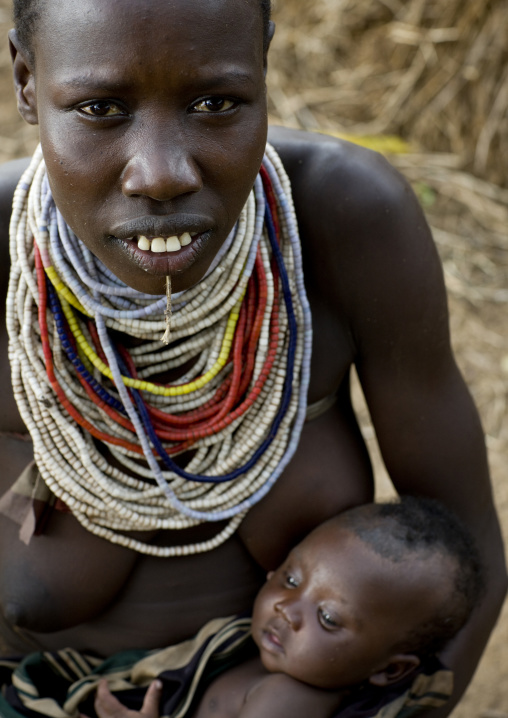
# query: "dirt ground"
475 259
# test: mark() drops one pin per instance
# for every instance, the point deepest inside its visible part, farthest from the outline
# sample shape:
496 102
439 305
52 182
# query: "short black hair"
416 525
266 13
26 14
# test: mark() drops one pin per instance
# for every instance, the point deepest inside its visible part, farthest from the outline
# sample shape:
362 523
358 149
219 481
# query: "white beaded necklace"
107 500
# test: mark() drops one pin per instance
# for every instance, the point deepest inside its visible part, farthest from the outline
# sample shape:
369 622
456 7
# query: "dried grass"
434 72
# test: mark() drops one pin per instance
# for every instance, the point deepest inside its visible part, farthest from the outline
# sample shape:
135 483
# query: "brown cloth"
30 503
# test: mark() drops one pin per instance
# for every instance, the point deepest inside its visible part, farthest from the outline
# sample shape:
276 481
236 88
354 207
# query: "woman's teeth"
165 244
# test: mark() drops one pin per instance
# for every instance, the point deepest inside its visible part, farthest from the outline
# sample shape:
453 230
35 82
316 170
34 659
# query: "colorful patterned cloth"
61 684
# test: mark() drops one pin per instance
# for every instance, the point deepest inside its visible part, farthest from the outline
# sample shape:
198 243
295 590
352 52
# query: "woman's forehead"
120 39
149 7
204 23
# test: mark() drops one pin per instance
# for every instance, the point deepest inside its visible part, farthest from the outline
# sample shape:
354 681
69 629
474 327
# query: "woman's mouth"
158 245
165 254
176 245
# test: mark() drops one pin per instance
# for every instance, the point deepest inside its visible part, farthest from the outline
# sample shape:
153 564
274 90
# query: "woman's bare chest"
104 598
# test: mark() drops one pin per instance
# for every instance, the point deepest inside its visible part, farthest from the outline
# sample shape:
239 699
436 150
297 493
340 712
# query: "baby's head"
367 594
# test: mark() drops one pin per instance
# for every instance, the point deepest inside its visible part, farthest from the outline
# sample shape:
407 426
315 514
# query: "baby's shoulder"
277 694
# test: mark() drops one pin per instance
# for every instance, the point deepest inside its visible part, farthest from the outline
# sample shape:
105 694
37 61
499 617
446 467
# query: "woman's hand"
107 706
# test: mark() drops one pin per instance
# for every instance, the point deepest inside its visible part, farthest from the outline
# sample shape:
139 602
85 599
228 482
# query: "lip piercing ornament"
167 313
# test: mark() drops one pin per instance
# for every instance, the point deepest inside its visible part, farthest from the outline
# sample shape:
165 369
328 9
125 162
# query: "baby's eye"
102 108
326 619
290 581
214 104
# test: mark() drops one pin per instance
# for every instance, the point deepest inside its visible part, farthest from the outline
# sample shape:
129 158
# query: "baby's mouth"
272 640
157 245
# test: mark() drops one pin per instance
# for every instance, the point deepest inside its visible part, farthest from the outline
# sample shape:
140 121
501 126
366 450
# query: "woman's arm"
371 254
428 428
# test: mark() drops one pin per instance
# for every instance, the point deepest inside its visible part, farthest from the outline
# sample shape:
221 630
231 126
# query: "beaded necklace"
240 408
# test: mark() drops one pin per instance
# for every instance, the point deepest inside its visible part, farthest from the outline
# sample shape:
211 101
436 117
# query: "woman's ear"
24 81
399 666
271 32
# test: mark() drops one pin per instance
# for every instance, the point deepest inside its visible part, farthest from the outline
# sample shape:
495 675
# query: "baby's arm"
274 696
107 706
279 696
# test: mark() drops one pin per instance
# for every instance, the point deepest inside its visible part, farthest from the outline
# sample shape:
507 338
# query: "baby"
361 601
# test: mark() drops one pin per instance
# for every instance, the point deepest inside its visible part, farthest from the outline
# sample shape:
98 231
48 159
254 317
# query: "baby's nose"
290 612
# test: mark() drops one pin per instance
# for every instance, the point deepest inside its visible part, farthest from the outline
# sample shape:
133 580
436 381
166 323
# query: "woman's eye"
326 619
214 104
102 108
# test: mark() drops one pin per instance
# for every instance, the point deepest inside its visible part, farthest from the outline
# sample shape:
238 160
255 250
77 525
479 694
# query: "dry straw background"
435 74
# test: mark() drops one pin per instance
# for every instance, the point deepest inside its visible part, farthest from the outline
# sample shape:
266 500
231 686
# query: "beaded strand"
243 333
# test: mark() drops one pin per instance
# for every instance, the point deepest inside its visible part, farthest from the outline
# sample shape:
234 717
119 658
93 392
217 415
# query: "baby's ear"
399 666
269 575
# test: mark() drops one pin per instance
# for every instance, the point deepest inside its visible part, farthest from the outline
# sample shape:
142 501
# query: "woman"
152 120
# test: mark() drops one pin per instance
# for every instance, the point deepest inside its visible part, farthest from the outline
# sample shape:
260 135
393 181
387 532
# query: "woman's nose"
161 170
290 612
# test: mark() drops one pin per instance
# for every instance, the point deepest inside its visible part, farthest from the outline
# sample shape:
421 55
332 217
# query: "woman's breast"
329 473
69 587
163 601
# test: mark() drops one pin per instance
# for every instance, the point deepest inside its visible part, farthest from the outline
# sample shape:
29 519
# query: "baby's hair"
26 14
421 526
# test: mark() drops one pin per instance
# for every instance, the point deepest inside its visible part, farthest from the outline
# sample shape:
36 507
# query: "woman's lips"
163 255
162 227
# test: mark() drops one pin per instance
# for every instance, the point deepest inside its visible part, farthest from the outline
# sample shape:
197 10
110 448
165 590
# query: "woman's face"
153 124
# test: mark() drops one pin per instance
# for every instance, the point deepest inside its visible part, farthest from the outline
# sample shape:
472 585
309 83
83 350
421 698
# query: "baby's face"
331 613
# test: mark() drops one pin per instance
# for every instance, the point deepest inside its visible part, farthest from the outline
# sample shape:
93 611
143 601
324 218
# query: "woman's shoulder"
10 173
318 162
355 211
341 186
